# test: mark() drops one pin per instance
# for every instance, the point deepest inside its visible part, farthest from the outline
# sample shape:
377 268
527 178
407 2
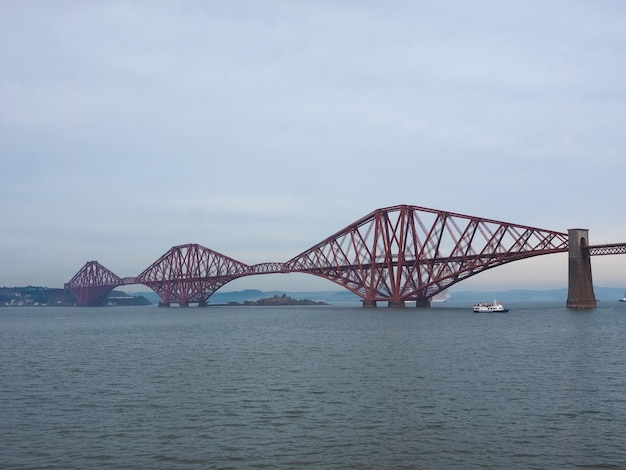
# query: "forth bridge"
393 254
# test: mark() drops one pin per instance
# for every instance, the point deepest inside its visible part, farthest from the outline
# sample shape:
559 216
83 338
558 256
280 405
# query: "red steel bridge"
394 254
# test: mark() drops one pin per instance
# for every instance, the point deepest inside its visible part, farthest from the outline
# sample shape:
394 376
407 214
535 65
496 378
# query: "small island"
276 300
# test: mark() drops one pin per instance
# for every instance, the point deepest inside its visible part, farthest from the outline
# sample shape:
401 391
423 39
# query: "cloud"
263 128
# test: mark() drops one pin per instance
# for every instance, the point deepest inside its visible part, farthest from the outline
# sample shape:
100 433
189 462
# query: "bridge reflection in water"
394 254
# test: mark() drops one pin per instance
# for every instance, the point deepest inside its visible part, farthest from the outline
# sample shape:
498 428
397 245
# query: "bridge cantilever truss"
394 254
406 252
92 283
190 273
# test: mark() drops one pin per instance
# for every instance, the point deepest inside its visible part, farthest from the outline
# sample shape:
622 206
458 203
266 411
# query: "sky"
257 129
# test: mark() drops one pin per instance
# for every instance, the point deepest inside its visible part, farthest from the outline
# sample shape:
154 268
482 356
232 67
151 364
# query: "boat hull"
495 307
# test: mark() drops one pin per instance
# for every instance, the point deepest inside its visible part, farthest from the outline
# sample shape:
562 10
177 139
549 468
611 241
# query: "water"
312 387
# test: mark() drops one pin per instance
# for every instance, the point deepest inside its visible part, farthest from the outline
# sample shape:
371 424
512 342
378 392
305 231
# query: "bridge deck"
608 249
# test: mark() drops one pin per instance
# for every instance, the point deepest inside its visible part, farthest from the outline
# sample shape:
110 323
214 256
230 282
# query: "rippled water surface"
312 387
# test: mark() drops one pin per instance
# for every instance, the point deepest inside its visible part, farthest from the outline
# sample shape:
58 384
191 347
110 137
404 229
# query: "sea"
313 387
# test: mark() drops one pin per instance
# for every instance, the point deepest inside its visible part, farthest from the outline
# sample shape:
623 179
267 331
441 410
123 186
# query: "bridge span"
394 254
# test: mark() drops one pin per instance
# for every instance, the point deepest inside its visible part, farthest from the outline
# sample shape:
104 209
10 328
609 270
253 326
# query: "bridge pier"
419 303
580 293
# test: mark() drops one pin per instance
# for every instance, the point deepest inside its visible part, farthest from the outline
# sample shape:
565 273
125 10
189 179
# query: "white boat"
485 307
624 299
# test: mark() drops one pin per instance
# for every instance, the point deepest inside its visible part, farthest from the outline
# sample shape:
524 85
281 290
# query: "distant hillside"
344 296
602 294
31 295
510 295
253 295
44 296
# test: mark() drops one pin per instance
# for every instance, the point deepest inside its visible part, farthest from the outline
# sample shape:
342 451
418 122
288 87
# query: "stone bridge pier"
580 293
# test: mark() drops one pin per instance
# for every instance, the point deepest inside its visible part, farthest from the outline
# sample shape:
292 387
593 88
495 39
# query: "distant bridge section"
608 249
92 284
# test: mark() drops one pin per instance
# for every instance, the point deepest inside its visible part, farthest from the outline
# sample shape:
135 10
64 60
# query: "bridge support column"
369 303
580 293
164 304
396 304
422 303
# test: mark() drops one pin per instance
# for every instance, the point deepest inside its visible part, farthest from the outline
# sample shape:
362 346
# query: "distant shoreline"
31 296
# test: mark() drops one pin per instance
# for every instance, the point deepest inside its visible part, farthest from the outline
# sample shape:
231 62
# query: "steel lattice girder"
409 253
92 283
610 249
190 273
268 268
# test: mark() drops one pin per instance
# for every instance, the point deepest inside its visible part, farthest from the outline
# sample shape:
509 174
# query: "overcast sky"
259 128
